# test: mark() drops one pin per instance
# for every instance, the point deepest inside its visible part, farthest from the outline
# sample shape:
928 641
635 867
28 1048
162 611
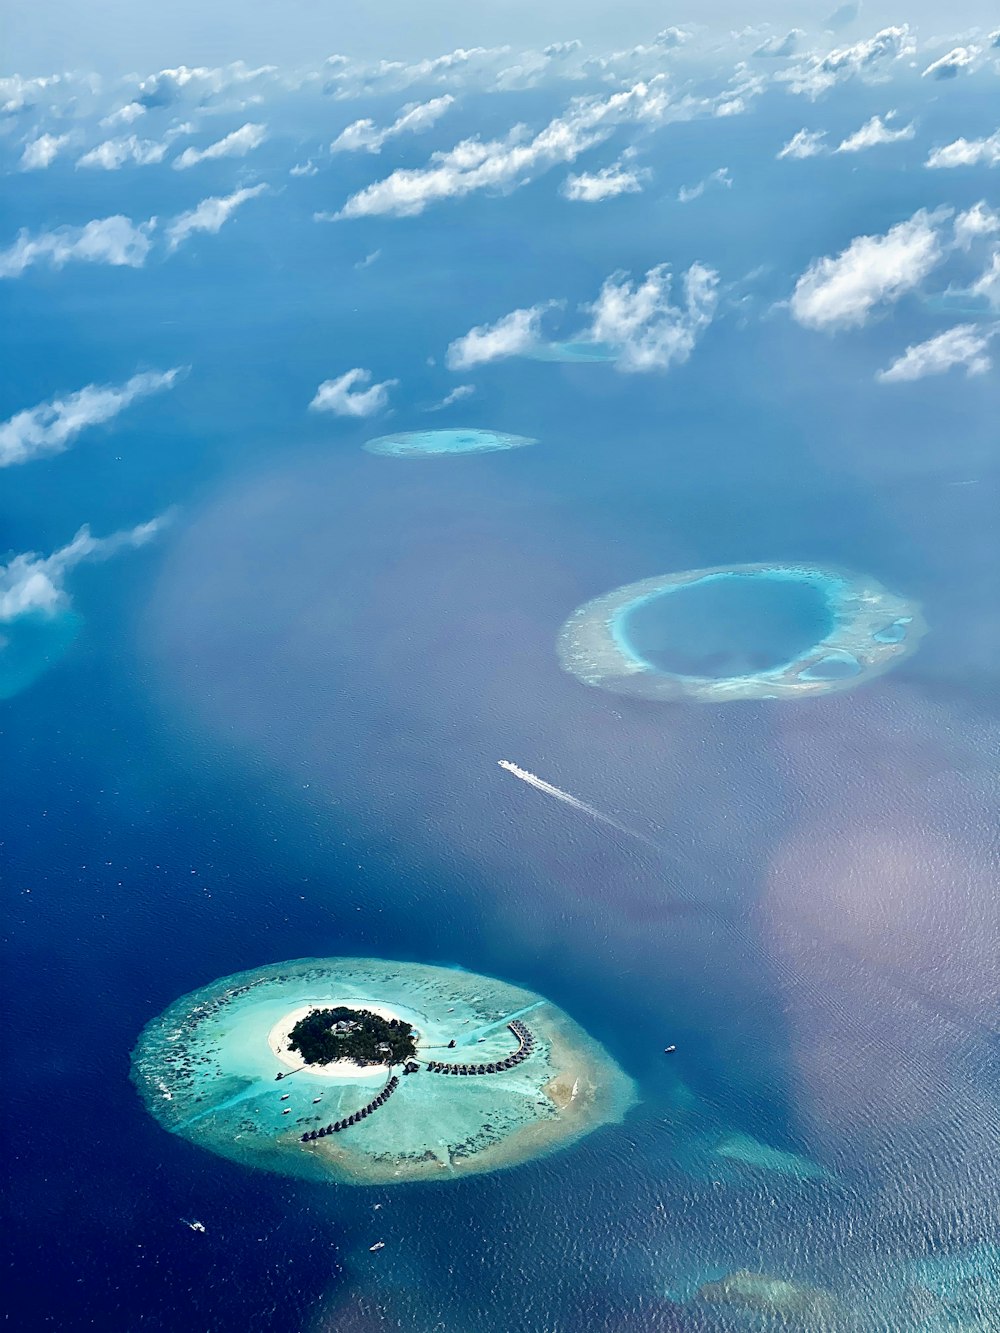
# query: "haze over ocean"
256 712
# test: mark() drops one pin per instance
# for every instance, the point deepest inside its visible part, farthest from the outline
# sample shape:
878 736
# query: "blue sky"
110 36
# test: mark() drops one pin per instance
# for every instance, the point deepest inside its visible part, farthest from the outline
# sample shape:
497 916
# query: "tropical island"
479 1074
325 1035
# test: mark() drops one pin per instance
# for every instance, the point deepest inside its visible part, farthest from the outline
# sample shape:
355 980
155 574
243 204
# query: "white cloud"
210 215
964 345
804 143
237 144
125 115
743 87
719 177
115 240
648 59
43 151
512 335
17 93
977 221
967 153
670 37
503 164
306 168
113 154
198 85
457 395
532 67
866 58
640 322
34 584
344 78
369 259
51 427
873 133
988 284
840 291
341 396
413 119
610 181
951 64
780 46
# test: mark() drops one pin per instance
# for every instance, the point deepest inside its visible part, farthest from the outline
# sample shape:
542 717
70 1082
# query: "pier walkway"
354 1119
525 1045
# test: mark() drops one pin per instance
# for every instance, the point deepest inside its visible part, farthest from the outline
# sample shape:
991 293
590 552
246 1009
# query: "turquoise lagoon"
435 443
206 1069
756 631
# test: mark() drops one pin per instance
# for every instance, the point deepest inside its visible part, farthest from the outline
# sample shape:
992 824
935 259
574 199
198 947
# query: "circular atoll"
740 632
478 1074
437 443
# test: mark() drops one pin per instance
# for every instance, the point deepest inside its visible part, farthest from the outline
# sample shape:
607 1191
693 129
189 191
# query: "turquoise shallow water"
436 443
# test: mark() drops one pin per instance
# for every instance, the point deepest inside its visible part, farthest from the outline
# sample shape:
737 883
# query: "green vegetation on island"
325 1035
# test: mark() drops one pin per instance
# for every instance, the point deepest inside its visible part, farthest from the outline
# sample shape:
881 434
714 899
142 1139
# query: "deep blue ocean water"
277 735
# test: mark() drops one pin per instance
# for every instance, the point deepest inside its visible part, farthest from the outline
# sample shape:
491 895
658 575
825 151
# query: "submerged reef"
772 1295
751 1153
499 1075
30 644
569 353
736 632
435 443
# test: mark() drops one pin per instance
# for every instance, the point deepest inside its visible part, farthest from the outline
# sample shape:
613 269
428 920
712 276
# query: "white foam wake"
548 789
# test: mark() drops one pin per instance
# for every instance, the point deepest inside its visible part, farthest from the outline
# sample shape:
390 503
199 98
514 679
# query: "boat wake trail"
548 789
737 924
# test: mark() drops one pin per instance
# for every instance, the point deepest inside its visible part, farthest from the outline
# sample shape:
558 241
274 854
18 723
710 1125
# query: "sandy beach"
277 1039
